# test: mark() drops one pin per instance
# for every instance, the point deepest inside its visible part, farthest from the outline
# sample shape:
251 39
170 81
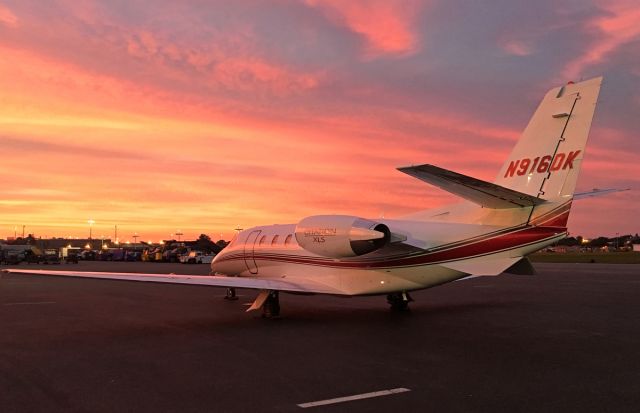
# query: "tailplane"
537 182
546 160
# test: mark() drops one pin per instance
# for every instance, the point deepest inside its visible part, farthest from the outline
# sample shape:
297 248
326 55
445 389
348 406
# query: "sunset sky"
205 115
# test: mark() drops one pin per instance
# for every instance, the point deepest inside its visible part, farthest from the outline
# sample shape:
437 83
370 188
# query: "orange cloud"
617 28
387 26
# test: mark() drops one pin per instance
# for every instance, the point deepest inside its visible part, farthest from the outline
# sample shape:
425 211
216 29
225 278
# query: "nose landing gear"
231 294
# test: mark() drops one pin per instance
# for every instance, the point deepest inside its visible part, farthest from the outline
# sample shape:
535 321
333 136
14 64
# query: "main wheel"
271 307
399 301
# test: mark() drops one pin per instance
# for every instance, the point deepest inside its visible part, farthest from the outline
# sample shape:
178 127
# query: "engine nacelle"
341 236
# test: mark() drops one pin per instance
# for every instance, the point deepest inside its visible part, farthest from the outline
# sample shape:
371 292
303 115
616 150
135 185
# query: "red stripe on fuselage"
511 240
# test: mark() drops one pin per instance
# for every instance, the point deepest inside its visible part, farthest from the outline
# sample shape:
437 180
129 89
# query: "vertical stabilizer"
546 160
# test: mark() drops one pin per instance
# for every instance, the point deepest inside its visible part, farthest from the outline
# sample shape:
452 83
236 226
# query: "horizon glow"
163 116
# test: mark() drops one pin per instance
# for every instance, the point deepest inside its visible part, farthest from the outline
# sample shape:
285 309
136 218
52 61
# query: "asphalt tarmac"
566 340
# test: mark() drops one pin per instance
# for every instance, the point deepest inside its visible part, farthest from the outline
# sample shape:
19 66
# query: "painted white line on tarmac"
354 397
31 303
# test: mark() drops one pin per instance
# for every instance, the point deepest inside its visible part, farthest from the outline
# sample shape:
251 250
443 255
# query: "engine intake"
341 236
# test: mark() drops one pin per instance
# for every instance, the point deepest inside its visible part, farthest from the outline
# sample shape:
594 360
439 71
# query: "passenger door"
249 247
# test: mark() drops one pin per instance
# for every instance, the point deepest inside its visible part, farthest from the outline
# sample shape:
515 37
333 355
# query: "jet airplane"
490 232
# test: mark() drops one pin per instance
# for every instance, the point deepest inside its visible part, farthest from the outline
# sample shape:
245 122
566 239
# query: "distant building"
57 243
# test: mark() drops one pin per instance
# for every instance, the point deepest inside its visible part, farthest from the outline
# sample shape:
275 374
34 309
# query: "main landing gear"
267 300
399 301
271 306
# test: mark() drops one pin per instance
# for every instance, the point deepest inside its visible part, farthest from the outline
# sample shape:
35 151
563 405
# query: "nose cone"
214 265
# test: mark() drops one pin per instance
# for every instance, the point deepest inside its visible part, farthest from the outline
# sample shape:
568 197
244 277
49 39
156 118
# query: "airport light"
90 222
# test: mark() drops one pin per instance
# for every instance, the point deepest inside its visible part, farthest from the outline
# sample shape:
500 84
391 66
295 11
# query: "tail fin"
546 160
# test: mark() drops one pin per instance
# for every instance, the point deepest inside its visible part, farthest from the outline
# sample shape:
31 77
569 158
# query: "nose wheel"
399 301
231 294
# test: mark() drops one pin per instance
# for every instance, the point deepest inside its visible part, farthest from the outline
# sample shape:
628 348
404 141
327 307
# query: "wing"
296 284
481 192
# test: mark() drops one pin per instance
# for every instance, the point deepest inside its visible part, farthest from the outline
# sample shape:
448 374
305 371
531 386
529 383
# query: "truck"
51 256
15 254
70 254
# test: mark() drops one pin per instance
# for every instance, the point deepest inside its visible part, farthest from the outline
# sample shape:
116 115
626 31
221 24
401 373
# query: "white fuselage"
417 263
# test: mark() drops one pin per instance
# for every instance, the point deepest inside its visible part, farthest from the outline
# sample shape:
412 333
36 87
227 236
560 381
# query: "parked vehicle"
104 255
32 257
51 256
132 256
71 254
88 255
182 258
197 257
12 257
15 254
173 255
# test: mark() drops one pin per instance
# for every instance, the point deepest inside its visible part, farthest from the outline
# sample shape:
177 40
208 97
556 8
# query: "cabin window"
287 240
274 240
264 237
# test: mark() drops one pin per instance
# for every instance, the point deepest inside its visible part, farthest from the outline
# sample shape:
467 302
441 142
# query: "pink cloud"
516 47
612 31
248 74
387 26
158 130
236 65
7 17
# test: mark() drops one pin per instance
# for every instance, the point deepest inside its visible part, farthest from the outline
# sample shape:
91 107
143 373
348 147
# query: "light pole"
179 233
135 238
91 222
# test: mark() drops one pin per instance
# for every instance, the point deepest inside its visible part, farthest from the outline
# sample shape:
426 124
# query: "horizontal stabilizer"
300 285
481 192
597 192
482 265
